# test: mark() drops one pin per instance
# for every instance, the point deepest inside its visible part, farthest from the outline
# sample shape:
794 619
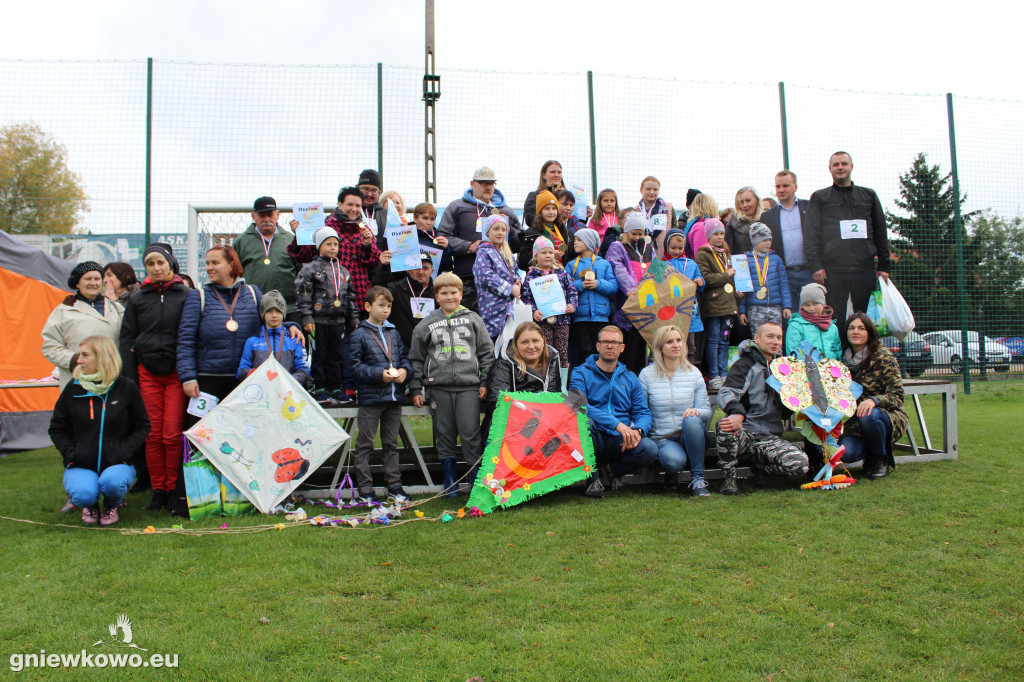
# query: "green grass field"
914 577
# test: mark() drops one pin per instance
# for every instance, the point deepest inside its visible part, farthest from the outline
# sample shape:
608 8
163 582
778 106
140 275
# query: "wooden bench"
408 443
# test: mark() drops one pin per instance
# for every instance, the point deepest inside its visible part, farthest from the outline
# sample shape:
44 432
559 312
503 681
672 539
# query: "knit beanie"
492 220
759 232
164 250
272 300
544 198
634 221
323 234
370 177
540 244
712 225
590 238
691 194
812 293
80 270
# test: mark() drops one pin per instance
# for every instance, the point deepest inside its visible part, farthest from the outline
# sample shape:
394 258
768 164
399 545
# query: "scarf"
855 360
822 321
552 233
94 383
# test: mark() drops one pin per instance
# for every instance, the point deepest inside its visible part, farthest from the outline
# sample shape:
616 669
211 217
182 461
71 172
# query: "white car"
947 351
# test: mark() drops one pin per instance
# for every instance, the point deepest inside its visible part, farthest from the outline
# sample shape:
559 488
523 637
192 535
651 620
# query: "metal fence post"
961 289
593 136
380 120
785 130
149 143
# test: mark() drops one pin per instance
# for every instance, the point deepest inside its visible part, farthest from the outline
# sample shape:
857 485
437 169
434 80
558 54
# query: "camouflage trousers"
759 314
769 454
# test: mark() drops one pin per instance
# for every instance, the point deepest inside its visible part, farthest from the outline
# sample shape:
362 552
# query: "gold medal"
266 261
231 325
728 288
589 274
337 303
762 293
551 320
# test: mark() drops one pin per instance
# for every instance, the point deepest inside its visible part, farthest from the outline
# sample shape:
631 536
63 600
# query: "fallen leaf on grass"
263 620
550 532
387 563
800 551
831 625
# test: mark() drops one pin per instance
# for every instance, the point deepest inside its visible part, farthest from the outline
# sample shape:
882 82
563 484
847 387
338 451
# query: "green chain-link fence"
225 134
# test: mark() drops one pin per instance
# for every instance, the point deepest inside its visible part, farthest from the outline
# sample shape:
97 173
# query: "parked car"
947 351
1016 346
913 353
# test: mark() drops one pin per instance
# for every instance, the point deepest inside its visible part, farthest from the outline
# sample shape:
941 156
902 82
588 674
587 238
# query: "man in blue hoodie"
617 408
461 224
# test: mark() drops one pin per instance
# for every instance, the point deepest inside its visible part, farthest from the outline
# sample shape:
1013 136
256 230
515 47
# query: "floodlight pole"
431 93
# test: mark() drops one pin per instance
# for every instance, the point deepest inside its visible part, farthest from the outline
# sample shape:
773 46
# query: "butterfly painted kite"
821 390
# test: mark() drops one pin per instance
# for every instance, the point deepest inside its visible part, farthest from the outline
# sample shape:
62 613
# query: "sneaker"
178 507
367 498
728 486
716 383
699 487
69 506
109 517
90 514
323 399
595 489
341 398
398 495
671 481
158 502
617 484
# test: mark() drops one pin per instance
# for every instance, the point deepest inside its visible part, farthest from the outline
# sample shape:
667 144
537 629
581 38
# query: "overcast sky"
913 47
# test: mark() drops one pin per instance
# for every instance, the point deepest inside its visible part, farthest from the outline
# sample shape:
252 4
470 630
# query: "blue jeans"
608 452
877 430
717 355
689 447
85 486
797 280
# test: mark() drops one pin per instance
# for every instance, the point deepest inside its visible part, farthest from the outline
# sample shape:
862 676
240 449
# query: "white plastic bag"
897 313
520 313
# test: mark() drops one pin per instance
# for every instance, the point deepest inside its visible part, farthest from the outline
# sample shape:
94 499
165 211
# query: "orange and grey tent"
32 283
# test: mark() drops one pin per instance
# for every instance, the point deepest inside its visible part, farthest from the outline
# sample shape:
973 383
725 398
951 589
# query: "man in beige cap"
461 223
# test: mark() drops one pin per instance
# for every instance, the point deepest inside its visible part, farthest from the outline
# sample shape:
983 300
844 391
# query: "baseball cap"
484 173
264 205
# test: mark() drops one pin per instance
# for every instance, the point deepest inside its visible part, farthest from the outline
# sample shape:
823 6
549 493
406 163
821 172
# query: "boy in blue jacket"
675 248
381 369
770 301
274 338
595 282
618 412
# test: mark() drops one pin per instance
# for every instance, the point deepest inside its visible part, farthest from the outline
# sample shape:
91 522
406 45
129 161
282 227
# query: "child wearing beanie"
324 300
718 301
555 328
546 223
770 301
272 339
595 284
814 323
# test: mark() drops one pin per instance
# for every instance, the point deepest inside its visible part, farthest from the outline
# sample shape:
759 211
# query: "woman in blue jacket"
678 401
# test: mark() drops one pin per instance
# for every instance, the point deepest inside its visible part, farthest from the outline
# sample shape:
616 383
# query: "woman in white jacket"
678 401
79 316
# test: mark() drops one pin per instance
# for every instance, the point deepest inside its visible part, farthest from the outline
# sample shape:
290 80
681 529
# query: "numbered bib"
201 405
853 229
421 307
659 222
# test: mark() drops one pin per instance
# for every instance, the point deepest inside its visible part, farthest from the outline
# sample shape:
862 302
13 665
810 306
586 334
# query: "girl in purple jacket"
496 275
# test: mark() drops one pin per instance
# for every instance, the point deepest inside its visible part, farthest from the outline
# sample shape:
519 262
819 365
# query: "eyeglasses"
609 343
369 190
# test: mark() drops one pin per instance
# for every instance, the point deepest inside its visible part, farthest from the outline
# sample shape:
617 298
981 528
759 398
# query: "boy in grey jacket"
752 427
451 356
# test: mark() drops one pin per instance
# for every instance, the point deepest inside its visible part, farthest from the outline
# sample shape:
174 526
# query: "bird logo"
121 634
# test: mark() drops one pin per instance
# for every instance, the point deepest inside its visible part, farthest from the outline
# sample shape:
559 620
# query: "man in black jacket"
788 223
414 294
845 233
374 215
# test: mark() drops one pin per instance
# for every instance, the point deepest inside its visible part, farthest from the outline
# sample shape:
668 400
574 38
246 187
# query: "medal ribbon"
385 350
266 243
336 276
230 311
411 291
280 344
761 276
